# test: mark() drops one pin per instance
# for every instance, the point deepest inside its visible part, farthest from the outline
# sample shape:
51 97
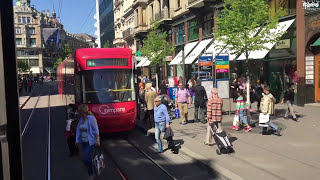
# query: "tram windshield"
107 86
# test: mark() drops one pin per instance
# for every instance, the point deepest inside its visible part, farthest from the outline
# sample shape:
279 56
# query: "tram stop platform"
294 155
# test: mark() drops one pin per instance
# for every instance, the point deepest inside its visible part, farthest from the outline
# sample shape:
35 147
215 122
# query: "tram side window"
78 88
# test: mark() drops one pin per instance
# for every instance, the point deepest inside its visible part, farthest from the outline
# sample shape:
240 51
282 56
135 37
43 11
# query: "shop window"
32 31
18 30
208 25
193 30
18 41
180 34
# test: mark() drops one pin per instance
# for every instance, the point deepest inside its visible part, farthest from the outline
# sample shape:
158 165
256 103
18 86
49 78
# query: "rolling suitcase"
223 143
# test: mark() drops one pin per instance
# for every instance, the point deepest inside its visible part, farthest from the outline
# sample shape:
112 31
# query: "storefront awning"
141 62
187 50
35 70
317 43
147 63
260 54
197 51
50 70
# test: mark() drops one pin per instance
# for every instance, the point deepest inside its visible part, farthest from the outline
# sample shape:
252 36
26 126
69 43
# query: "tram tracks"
40 100
124 170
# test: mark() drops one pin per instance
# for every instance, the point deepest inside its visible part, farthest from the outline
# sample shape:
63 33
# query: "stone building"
31 46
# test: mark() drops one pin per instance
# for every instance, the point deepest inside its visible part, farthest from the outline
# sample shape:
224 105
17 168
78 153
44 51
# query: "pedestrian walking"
241 107
288 98
88 136
214 115
162 119
30 84
267 107
258 90
71 129
181 101
163 88
149 98
199 102
234 90
191 83
242 83
25 84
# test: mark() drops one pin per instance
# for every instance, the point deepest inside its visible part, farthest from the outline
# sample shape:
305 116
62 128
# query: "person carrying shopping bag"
267 108
87 134
241 107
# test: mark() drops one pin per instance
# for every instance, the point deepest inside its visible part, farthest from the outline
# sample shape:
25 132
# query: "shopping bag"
263 120
98 160
236 121
177 113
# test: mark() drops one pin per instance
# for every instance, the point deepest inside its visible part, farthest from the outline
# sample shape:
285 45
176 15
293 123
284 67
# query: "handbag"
177 113
264 119
236 120
98 161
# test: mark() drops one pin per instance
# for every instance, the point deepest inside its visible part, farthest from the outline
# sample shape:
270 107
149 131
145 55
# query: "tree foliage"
107 44
155 46
66 52
245 26
23 67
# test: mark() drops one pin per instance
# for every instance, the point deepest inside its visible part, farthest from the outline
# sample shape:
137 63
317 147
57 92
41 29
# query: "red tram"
102 78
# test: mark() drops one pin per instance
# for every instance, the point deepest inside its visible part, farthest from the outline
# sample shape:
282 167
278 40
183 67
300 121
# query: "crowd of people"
211 106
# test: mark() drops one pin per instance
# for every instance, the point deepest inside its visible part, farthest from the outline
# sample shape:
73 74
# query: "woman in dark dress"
234 89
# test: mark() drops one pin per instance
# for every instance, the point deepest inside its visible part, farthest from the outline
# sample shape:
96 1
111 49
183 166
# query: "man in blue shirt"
161 118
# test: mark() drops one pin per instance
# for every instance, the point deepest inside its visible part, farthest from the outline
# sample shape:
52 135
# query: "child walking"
241 107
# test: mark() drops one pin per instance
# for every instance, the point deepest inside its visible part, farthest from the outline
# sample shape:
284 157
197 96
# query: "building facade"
124 24
33 48
106 22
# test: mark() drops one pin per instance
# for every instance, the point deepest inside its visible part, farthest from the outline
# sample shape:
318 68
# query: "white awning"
187 50
147 63
197 51
141 62
49 69
260 54
35 70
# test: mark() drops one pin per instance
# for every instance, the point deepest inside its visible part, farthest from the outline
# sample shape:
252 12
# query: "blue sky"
73 13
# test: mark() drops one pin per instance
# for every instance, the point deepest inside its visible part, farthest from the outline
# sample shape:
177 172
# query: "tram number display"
107 62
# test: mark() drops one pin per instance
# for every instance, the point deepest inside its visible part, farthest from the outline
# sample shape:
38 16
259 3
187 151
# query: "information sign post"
222 66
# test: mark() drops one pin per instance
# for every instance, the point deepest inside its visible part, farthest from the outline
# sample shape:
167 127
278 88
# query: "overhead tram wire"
88 16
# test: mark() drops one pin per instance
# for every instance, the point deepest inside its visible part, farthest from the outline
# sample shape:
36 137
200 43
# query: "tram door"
317 77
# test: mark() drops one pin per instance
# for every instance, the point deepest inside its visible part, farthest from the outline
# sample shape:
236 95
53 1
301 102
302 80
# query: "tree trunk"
248 78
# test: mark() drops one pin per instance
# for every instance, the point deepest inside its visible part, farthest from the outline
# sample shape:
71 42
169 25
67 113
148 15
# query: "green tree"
23 67
155 46
66 52
107 44
245 26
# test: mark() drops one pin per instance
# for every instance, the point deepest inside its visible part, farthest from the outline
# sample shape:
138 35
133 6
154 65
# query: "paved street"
131 162
294 155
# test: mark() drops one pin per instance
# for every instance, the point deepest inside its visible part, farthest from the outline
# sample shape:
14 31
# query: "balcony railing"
164 14
128 33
